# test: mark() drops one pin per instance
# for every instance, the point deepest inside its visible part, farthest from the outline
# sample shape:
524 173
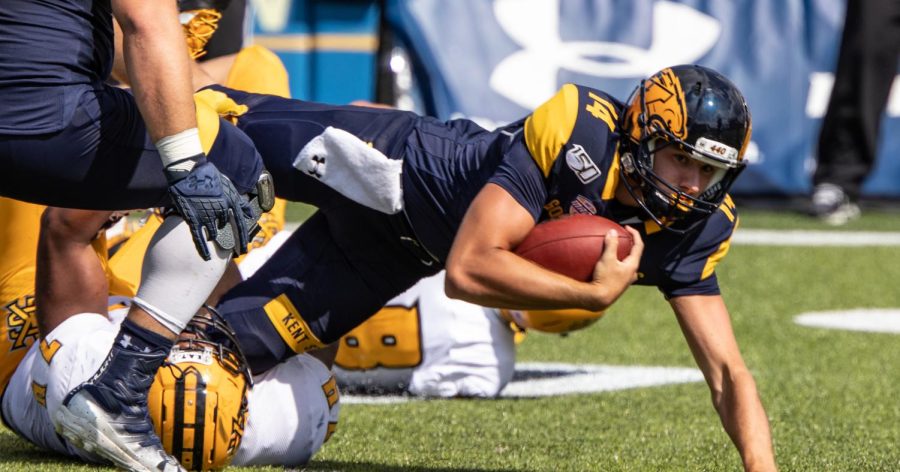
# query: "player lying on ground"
283 419
426 344
402 196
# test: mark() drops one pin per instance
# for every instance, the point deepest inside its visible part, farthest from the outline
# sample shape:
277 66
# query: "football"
572 245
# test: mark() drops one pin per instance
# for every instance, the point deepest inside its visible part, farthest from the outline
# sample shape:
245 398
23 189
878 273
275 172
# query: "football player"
68 139
401 196
201 401
426 344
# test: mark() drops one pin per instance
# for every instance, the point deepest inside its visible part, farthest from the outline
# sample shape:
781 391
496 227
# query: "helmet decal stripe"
200 426
178 423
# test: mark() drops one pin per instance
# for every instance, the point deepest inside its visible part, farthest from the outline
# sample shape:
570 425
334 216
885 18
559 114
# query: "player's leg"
176 281
280 128
335 271
848 140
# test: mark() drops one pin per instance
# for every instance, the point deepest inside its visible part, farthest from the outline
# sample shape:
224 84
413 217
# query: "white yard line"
769 237
773 237
874 320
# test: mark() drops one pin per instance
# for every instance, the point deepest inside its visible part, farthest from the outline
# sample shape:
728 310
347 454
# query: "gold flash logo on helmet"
199 26
665 102
198 401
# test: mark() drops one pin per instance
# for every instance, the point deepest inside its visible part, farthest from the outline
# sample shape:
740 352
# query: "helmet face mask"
198 400
708 122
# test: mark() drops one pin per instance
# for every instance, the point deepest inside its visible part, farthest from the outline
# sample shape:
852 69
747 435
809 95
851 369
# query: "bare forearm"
200 75
499 278
158 67
744 418
482 269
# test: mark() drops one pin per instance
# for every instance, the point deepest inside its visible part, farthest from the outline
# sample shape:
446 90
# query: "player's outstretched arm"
158 65
706 325
159 72
482 268
70 278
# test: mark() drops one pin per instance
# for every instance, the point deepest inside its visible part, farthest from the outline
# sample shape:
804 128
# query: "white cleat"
87 425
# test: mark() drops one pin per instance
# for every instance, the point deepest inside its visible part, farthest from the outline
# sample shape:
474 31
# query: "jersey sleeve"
520 176
693 272
568 148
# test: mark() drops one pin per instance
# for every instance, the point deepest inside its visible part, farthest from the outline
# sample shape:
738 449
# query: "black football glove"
206 199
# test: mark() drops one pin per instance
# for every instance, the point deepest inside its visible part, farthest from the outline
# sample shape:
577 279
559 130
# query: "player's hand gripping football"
206 199
612 276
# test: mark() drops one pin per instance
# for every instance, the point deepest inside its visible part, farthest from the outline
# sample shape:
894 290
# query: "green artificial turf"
833 397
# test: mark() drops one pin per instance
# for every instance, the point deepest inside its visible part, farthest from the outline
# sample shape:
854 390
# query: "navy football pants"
343 264
104 159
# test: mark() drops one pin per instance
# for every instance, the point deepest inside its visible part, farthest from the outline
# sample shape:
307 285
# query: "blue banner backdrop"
328 47
495 60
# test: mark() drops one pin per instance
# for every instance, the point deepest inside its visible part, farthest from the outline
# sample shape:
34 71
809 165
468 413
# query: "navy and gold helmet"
706 116
198 399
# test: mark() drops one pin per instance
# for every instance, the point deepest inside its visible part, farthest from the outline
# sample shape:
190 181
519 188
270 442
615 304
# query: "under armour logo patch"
126 343
203 182
316 166
580 163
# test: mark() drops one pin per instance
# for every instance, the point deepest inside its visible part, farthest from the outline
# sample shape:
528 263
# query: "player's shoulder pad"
715 237
721 224
551 125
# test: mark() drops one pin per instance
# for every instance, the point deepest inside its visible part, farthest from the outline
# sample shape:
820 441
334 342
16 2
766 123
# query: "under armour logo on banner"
535 25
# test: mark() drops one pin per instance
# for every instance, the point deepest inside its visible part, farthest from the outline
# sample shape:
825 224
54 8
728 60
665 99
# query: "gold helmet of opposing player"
200 20
552 321
198 400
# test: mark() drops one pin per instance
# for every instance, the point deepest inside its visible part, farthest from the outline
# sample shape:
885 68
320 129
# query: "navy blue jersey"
561 159
445 165
51 52
348 260
566 161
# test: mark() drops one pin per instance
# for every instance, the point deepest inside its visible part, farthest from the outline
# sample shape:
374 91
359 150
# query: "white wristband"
179 147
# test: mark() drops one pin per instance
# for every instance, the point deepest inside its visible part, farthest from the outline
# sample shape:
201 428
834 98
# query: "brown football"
572 245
